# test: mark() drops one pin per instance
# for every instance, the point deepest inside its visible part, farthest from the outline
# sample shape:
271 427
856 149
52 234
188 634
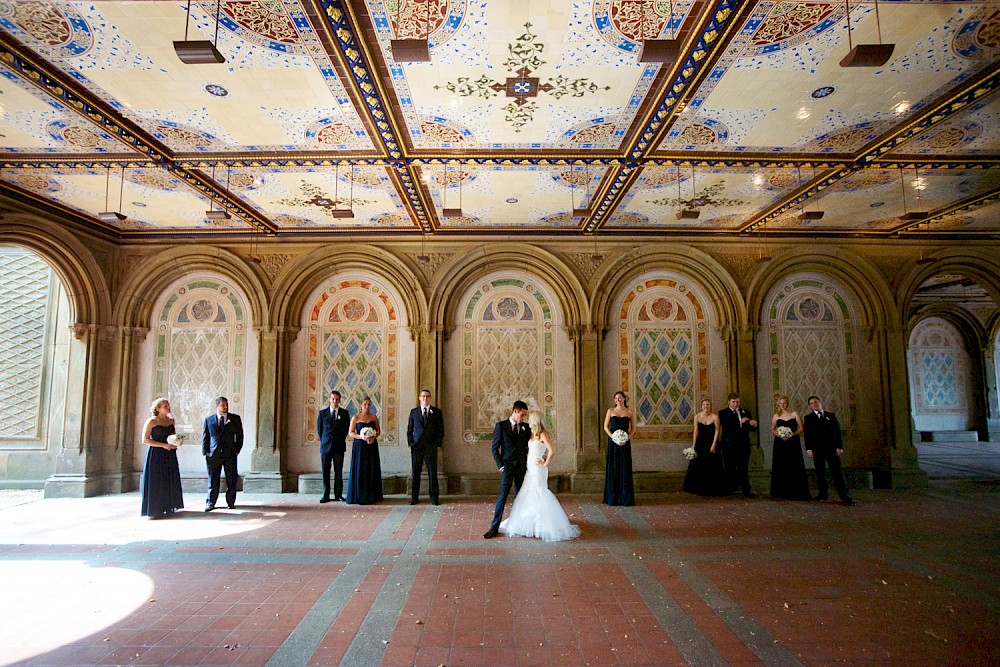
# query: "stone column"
78 467
122 411
892 385
589 476
430 340
992 406
268 466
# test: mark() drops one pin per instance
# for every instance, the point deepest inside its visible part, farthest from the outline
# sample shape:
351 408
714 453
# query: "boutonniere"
430 411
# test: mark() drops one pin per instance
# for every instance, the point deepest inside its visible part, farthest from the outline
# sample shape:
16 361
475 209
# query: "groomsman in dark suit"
424 434
736 422
824 445
332 425
510 452
221 442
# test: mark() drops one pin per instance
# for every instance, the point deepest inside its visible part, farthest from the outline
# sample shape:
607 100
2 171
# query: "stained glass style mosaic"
663 347
939 369
507 355
353 348
201 351
26 285
810 338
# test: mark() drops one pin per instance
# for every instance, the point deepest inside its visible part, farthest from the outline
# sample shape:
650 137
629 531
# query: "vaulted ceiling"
530 117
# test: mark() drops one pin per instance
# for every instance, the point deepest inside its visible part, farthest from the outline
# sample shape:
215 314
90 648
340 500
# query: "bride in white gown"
536 511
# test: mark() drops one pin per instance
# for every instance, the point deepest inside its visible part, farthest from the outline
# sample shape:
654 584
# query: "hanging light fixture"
687 213
112 216
663 51
809 216
338 212
451 212
911 215
211 213
583 211
199 51
423 257
414 50
866 55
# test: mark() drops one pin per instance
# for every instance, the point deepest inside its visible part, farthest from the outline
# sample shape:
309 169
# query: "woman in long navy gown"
706 472
618 487
788 468
161 476
365 484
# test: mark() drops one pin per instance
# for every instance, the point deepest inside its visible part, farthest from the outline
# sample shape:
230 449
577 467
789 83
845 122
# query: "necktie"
222 421
424 410
819 414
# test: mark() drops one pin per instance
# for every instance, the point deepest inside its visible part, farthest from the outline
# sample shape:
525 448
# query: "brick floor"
904 578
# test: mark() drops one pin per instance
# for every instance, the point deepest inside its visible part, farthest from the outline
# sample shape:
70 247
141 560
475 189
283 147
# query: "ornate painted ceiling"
530 117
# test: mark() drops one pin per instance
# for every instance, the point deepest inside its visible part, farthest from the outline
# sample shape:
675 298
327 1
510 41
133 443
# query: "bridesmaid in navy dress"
788 468
365 484
618 488
161 476
706 473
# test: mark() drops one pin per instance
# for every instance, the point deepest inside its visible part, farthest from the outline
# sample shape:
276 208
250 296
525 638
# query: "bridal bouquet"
689 453
367 432
619 437
783 432
175 439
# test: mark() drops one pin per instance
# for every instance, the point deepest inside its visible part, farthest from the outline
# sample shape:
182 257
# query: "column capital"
271 332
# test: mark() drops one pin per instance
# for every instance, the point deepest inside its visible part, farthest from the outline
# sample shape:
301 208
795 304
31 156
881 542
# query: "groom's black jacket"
510 445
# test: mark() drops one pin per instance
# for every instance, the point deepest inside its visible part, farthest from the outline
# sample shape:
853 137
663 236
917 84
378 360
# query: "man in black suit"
221 442
332 425
736 422
510 452
824 445
424 434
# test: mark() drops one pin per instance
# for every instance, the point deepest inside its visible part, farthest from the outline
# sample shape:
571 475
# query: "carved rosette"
272 264
435 260
586 263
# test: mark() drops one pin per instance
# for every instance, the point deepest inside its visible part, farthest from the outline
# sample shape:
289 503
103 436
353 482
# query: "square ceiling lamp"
412 49
216 216
583 211
688 214
199 51
342 213
912 216
451 212
112 217
808 216
866 55
662 51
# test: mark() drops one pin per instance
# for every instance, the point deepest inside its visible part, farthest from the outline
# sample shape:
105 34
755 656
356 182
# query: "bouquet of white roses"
175 439
689 453
783 432
367 432
619 437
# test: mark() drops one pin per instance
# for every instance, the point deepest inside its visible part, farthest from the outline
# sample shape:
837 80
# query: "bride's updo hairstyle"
535 423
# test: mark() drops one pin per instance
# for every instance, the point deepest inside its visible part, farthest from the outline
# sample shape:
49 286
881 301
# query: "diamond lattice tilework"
664 377
24 295
939 370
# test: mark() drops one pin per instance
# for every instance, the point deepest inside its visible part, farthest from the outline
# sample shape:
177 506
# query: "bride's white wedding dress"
536 511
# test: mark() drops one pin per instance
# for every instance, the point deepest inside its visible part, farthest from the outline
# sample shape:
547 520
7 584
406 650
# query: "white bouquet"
367 432
175 439
619 437
783 432
689 453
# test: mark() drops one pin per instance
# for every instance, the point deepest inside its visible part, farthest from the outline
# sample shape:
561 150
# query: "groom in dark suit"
424 434
736 422
510 452
824 445
332 425
221 442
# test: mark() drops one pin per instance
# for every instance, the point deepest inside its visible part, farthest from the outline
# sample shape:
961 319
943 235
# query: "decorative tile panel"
939 371
353 347
507 328
25 310
201 335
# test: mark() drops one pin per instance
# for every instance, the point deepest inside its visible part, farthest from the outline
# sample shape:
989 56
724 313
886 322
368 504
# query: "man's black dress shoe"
435 502
232 507
339 499
324 500
413 502
209 507
492 532
850 503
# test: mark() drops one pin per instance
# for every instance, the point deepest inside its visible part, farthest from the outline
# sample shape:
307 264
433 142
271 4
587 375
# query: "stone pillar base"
72 486
264 482
908 478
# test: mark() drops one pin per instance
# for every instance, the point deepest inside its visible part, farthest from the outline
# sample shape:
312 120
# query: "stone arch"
81 277
305 274
856 274
693 264
134 305
465 270
972 263
942 377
